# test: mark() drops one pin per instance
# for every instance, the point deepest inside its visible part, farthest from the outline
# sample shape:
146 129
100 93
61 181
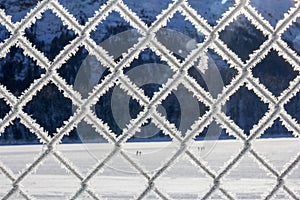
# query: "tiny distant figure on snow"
201 148
137 153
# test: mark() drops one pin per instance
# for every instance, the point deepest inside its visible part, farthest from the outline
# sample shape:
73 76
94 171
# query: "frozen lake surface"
184 180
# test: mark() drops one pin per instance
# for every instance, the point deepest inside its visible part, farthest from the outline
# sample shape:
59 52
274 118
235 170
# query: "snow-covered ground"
183 181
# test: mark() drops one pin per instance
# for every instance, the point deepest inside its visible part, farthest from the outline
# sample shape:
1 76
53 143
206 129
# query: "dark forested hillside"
49 35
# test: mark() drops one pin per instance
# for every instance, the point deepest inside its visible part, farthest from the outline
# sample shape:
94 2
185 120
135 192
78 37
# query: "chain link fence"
180 76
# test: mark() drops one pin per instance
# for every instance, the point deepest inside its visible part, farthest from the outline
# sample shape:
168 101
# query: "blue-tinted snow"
17 9
4 34
82 10
272 10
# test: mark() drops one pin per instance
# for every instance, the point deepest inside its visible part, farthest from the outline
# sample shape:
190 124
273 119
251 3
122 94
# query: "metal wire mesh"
148 39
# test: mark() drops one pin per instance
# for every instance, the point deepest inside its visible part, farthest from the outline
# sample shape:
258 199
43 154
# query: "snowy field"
183 181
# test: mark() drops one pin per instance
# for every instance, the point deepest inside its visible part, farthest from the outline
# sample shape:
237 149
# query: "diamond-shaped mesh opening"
83 72
240 109
242 37
277 151
215 146
115 35
277 130
82 10
111 25
50 40
217 153
226 71
90 148
248 179
182 108
4 34
211 11
180 36
147 10
18 71
273 12
70 69
217 75
59 187
148 72
118 180
275 73
180 24
17 9
16 154
50 108
4 108
293 107
184 180
17 133
116 108
292 36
